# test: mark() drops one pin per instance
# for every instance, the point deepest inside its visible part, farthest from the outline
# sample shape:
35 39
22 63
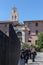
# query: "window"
36 24
15 16
14 11
19 34
29 40
29 25
30 37
29 32
36 32
5 25
12 17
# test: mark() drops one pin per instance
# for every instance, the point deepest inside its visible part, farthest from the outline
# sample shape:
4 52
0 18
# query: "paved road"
38 60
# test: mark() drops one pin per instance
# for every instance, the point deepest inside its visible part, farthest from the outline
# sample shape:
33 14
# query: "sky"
27 9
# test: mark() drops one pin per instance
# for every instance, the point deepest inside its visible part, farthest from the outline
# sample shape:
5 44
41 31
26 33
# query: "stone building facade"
19 28
32 29
4 26
20 31
26 32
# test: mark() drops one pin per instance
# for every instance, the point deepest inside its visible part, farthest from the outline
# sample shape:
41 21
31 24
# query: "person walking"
33 54
22 62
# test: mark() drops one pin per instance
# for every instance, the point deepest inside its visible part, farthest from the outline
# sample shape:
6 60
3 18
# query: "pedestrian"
27 55
33 54
22 62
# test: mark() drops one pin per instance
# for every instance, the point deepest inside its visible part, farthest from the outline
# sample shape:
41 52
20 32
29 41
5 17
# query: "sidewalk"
38 60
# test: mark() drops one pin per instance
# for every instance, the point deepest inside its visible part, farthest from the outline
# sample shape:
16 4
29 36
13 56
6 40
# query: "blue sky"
27 9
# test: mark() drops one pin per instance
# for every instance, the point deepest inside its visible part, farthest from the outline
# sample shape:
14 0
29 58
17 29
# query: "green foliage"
39 44
25 45
37 47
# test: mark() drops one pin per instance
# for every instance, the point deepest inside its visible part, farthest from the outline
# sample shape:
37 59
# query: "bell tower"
14 14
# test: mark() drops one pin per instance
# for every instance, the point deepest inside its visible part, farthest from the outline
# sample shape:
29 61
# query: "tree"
40 40
25 45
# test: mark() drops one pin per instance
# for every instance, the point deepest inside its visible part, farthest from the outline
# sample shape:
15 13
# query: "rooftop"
34 21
